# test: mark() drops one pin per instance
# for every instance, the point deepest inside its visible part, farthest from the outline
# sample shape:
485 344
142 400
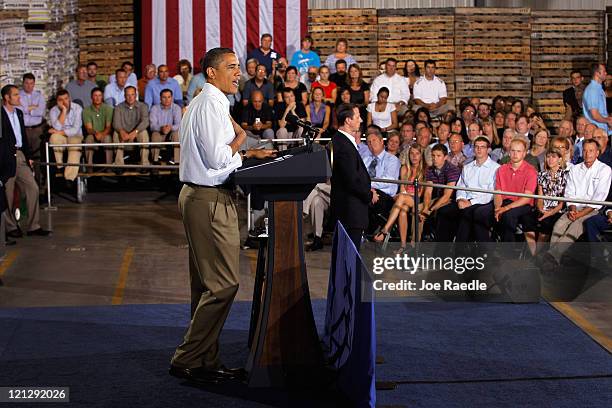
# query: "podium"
284 344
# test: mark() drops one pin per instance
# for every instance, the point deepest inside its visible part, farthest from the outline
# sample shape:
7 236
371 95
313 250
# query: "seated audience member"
66 127
474 132
114 93
422 115
468 114
279 73
518 107
98 120
260 83
380 164
602 139
317 112
92 75
551 182
474 209
184 76
131 79
265 54
436 200
33 107
589 130
81 87
581 125
566 129
456 157
251 70
407 134
289 105
443 133
130 123
381 113
340 77
536 123
344 97
339 54
430 91
315 205
292 81
489 131
523 128
413 168
305 58
257 121
539 147
563 145
510 121
503 152
529 158
594 99
412 72
499 119
165 122
163 81
595 225
484 111
312 76
474 101
397 86
424 140
499 104
572 96
149 74
196 84
517 176
589 180
458 126
359 89
20 162
330 89
393 143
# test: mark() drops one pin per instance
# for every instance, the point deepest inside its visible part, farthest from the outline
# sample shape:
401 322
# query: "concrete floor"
121 248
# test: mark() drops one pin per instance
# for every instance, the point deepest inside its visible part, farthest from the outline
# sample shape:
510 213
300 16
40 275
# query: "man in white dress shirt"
210 143
399 91
430 92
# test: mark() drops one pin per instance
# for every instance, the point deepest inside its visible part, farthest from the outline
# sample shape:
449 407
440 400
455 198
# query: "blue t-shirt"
303 60
595 98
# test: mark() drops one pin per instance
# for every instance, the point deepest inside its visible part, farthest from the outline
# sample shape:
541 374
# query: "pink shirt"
516 181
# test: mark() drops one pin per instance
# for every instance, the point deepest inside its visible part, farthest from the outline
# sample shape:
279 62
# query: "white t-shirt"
381 119
429 91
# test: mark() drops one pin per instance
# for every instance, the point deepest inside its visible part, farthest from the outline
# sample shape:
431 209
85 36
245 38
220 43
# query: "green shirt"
98 118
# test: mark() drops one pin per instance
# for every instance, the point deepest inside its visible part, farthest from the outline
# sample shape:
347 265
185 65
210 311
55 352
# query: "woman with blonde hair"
413 168
317 112
489 130
539 146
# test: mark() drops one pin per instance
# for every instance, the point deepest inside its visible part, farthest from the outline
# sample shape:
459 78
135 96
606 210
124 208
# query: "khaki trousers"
565 232
142 137
89 151
211 225
159 137
28 187
316 204
74 154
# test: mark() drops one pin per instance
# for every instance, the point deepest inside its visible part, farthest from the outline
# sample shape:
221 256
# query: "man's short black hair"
286 90
96 89
6 89
165 90
575 71
90 63
441 148
128 63
213 58
482 139
61 92
345 111
340 61
265 35
391 59
130 87
117 71
595 68
429 62
28 75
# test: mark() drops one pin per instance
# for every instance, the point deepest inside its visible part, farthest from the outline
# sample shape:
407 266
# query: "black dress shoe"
39 232
10 242
317 244
199 375
16 233
238 373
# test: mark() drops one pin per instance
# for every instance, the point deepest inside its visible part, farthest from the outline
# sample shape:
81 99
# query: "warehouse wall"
533 4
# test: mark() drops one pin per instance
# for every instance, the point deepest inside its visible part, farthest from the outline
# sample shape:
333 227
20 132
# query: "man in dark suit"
350 183
597 224
6 172
20 165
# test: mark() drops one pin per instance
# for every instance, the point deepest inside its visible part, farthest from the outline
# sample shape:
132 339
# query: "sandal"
380 233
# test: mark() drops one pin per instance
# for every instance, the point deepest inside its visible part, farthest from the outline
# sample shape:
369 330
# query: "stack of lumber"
13 51
492 52
562 41
358 26
106 33
419 34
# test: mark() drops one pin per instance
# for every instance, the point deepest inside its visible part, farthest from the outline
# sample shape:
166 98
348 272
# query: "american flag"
177 29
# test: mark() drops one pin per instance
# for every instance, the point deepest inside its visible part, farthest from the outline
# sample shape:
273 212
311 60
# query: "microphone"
294 120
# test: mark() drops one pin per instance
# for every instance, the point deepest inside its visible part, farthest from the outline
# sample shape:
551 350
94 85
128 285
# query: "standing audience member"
265 54
517 176
589 180
33 108
130 123
98 120
19 169
165 121
66 119
412 73
339 54
572 96
594 99
305 58
397 85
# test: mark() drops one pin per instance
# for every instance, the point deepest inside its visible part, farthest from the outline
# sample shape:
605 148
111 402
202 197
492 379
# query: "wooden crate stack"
609 38
358 26
492 52
106 33
562 41
419 34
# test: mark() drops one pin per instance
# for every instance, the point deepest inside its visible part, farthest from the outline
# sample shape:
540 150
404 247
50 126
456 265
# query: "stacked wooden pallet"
13 51
609 37
358 26
106 33
419 34
562 41
492 52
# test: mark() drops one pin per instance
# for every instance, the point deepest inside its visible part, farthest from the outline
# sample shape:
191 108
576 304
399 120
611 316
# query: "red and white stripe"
177 29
